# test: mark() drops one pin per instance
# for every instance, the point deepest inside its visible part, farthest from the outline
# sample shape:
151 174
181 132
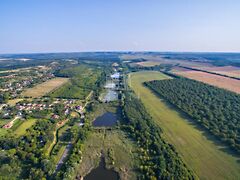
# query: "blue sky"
28 26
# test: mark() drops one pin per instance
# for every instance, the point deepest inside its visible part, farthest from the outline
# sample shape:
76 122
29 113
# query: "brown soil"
219 81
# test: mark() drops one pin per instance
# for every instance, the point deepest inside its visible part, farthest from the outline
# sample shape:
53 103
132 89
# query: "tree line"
214 108
159 160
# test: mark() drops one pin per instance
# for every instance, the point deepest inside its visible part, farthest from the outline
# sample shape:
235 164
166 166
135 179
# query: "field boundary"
201 70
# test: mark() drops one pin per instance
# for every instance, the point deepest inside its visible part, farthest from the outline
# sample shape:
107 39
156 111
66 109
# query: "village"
14 83
56 109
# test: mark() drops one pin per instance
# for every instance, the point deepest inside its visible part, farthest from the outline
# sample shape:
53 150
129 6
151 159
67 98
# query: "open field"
116 141
200 151
13 102
3 131
225 70
148 63
44 88
21 130
157 59
212 79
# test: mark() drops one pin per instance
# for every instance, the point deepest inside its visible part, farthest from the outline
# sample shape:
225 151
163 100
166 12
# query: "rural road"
61 161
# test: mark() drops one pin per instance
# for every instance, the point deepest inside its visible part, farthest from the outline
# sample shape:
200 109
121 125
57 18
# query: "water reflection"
101 173
108 119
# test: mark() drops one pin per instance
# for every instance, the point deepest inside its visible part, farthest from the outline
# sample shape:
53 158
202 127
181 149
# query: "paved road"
61 161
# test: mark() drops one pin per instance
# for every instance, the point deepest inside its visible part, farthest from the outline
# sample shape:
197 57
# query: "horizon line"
123 51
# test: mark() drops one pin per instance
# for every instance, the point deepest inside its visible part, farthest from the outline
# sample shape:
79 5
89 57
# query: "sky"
32 26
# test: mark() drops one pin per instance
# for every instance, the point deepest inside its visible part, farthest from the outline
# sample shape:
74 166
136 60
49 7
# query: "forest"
159 160
215 109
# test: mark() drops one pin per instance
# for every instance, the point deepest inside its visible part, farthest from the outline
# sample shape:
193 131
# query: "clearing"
45 87
22 129
207 158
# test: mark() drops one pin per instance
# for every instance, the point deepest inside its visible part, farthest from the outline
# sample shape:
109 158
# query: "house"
55 116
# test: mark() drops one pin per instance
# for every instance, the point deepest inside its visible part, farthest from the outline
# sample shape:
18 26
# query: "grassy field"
3 131
13 102
82 80
123 153
44 88
21 130
207 158
58 156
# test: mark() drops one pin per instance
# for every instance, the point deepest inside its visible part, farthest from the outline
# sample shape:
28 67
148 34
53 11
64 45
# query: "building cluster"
16 86
33 106
40 105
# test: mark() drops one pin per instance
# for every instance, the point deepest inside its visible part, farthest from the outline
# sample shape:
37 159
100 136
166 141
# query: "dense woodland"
159 160
215 109
25 157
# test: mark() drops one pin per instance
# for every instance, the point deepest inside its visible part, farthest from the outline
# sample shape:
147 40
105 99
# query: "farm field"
148 63
199 150
212 79
231 71
21 130
156 60
44 88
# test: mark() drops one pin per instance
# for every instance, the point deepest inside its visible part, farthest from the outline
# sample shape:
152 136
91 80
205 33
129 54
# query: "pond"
102 173
108 119
110 85
110 96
